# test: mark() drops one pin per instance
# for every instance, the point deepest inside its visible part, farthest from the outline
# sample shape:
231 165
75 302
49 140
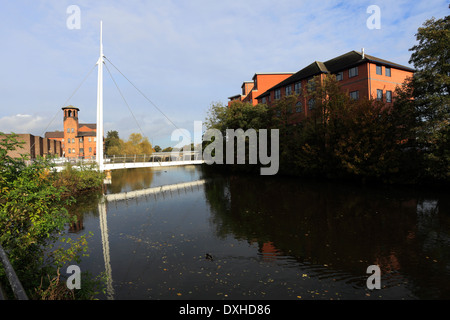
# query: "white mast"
99 145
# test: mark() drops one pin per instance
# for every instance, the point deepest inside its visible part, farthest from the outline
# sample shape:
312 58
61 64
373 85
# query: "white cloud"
26 123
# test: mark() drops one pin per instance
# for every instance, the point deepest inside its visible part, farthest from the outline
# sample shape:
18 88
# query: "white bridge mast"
99 144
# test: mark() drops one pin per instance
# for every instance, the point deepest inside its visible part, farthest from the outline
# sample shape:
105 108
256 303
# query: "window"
379 69
387 71
277 94
352 72
388 96
311 103
81 150
81 140
379 94
90 149
298 87
68 140
73 141
72 130
340 76
311 84
288 90
89 139
70 151
354 95
68 130
299 107
62 140
73 150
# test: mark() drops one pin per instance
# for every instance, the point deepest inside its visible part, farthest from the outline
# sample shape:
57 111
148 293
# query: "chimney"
362 52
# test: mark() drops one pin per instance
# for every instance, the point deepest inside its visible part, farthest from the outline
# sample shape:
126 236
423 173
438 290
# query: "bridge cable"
147 98
120 92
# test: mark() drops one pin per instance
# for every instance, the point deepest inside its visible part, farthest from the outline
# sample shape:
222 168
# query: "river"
259 237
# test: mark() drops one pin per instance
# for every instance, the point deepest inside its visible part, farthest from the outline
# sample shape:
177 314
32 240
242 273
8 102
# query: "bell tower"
71 147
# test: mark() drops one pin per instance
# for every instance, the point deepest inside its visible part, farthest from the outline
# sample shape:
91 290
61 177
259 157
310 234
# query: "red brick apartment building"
260 83
360 75
78 140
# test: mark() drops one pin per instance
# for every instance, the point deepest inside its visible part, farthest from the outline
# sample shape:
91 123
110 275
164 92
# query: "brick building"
360 75
259 84
35 146
78 140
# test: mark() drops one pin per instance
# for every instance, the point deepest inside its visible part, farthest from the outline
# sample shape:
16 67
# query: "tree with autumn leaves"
136 144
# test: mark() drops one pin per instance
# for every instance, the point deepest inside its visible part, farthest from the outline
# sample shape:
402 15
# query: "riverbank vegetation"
34 216
366 140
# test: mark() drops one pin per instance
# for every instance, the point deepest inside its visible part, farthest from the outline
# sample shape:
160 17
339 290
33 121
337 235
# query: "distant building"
259 84
35 146
78 140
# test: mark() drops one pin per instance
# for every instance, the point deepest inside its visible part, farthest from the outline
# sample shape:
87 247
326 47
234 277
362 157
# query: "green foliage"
82 179
112 142
342 138
33 215
431 89
157 148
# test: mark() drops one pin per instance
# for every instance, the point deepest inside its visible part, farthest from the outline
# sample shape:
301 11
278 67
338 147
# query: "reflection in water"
342 227
268 237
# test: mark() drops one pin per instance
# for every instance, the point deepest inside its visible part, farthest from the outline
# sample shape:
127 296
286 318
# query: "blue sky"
184 55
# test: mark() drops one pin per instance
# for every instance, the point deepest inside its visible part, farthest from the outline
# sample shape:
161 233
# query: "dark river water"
260 237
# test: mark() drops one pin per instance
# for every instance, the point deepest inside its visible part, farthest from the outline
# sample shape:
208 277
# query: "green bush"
33 216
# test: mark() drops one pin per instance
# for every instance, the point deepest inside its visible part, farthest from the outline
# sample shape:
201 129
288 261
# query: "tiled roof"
89 125
347 60
54 134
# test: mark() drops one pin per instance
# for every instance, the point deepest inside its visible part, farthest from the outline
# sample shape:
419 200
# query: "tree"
431 81
239 115
431 88
137 144
113 143
157 148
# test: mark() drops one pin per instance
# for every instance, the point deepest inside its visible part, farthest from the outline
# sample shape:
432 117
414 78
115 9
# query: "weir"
154 190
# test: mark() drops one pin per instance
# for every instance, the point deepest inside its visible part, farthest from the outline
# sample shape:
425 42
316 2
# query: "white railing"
155 157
